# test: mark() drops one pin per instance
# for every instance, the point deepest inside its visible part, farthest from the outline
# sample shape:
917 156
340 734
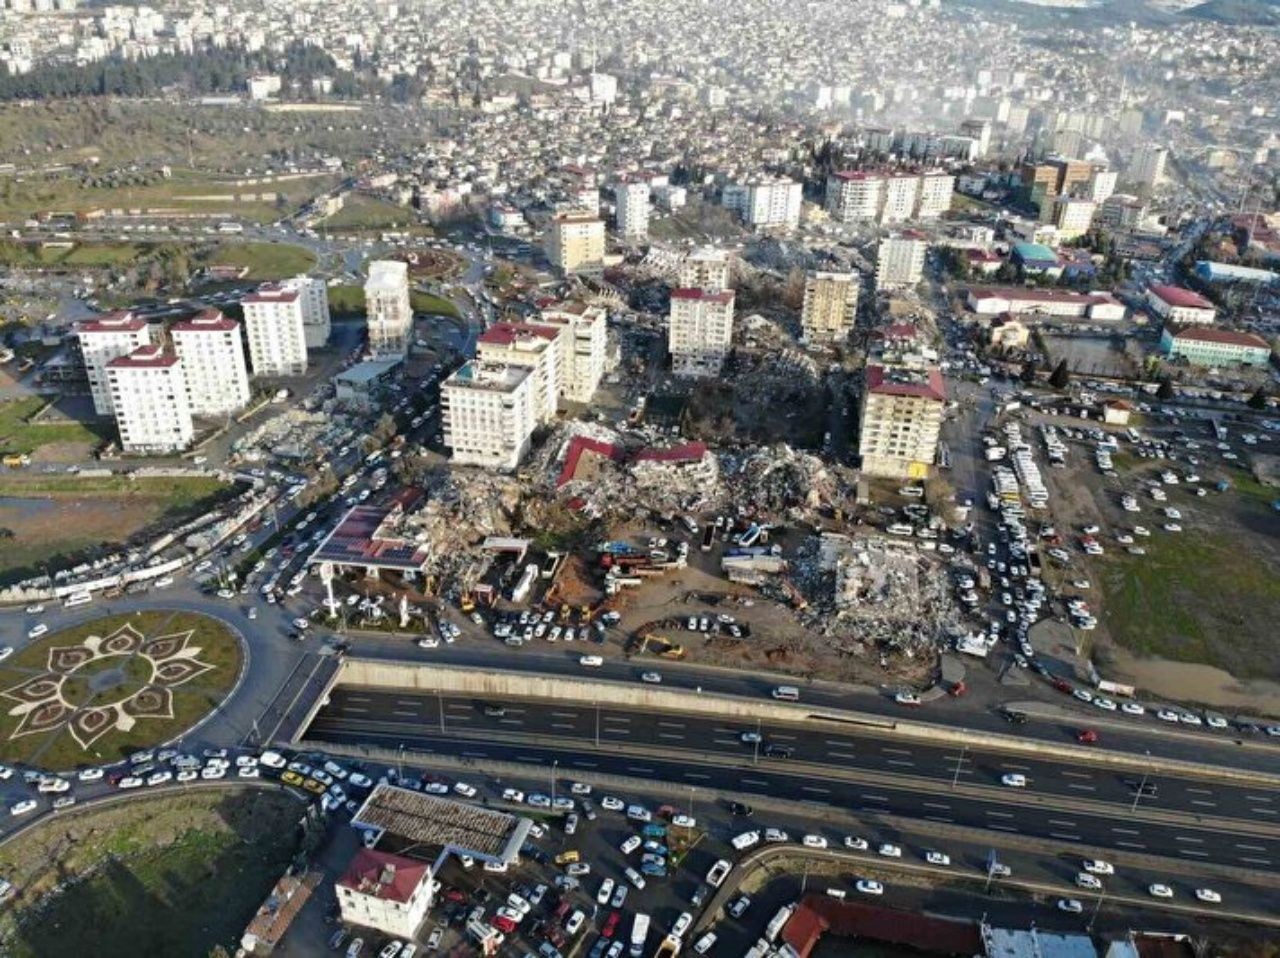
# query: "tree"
1259 399
1165 391
1061 376
1029 370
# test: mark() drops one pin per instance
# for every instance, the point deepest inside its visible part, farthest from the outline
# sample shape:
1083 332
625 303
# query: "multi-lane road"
1199 822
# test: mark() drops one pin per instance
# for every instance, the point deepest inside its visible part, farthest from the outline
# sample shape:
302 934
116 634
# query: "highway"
1195 822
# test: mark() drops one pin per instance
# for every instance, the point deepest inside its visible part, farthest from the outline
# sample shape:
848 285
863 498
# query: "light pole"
597 705
955 779
555 764
440 708
400 761
1097 907
755 751
1142 786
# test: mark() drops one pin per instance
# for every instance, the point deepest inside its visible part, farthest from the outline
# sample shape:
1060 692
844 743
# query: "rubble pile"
875 593
294 434
780 481
458 511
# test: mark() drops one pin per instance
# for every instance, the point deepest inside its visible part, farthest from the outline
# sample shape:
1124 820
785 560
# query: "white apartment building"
274 328
706 268
387 892
1073 217
103 339
149 396
1102 185
211 350
387 308
901 420
631 209
765 203
900 261
934 195
854 197
700 331
830 303
1147 165
537 347
489 414
899 198
313 293
585 348
575 243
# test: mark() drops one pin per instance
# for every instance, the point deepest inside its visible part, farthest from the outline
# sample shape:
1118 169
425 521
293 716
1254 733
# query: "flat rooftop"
497 377
367 536
434 822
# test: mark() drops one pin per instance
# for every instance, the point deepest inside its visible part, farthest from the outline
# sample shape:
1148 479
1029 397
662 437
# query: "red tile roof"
205 321
723 296
271 294
579 446
117 321
153 357
505 334
368 869
689 452
822 913
880 382
1227 337
1180 297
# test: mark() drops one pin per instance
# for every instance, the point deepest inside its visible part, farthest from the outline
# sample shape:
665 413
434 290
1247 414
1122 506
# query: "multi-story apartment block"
700 331
886 198
899 202
103 339
766 203
1147 165
149 397
900 261
631 209
1178 306
901 418
1223 348
489 414
830 303
274 328
934 196
313 293
386 304
211 349
575 243
585 352
854 197
532 345
1101 186
705 268
1073 217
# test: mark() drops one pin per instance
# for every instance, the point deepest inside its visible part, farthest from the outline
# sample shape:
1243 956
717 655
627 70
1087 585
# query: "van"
78 598
787 693
745 840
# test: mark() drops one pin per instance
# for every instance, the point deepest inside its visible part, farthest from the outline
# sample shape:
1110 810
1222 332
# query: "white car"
1167 715
907 698
465 790
188 775
36 631
5 652
612 804
1085 880
652 678
937 858
630 845
856 844
1133 708
272 759
208 773
605 892
704 944
1014 780
1070 905
1160 891
889 851
513 795
35 609
684 821
89 775
1209 896
1096 866
869 887
682 924
249 771
159 778
21 808
590 661
813 841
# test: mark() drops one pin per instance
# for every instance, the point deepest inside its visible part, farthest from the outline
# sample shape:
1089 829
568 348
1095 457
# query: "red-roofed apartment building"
534 346
387 892
103 339
1181 307
150 400
901 419
1209 346
700 330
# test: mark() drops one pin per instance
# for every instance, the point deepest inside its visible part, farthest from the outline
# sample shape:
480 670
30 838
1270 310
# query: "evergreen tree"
1165 392
1259 399
1060 376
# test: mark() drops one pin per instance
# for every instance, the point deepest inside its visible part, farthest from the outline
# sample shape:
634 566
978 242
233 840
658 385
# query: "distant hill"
1100 13
1264 13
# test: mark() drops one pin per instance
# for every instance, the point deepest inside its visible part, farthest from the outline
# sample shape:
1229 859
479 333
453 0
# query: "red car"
611 924
503 924
1087 737
453 894
1063 686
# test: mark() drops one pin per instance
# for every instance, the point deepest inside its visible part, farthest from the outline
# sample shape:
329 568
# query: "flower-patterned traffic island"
97 692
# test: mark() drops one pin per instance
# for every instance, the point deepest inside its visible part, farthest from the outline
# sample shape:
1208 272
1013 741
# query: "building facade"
149 397
575 243
765 203
534 346
1072 216
900 261
700 331
830 304
387 306
211 349
631 209
1148 164
103 339
313 293
389 893
275 331
705 268
1207 346
584 355
1178 306
901 420
489 414
888 197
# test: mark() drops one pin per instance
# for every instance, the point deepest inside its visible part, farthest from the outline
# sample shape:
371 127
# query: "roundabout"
96 692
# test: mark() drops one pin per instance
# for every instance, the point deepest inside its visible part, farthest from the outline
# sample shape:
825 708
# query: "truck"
750 537
777 922
669 948
639 932
708 536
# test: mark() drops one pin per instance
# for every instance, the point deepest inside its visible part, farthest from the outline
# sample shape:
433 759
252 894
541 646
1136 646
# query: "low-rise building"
700 331
211 348
149 397
1007 333
1023 301
830 304
389 893
103 339
901 420
1210 346
1178 306
489 413
276 332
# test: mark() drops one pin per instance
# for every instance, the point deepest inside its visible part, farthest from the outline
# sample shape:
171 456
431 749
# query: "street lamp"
440 708
755 751
1142 786
955 779
555 764
400 761
597 705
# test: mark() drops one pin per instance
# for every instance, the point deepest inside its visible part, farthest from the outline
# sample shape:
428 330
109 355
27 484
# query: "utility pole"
440 707
955 779
1142 786
555 764
755 755
1097 907
597 705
